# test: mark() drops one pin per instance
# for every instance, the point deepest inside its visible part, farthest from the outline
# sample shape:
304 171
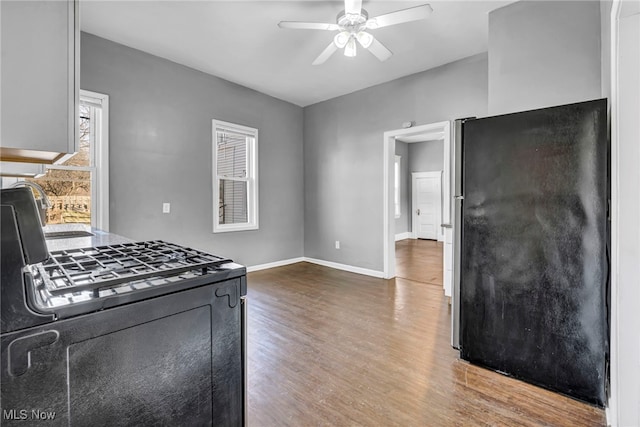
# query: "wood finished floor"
419 260
332 348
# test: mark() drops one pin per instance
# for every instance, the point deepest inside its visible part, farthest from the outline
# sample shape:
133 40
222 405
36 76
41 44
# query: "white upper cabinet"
39 80
22 170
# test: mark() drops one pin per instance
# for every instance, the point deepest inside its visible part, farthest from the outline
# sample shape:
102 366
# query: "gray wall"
343 151
605 48
403 224
426 156
543 53
160 149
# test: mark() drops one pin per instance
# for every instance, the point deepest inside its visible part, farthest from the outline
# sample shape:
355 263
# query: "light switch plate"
166 207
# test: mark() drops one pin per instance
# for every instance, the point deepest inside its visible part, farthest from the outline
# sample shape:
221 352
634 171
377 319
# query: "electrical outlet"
337 244
166 208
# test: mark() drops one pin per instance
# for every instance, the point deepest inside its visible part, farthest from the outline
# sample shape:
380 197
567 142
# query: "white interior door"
427 204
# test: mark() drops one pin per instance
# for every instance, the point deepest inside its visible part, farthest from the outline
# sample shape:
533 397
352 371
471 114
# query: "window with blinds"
235 177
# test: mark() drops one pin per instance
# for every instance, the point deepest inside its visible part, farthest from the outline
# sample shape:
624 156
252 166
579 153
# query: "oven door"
171 360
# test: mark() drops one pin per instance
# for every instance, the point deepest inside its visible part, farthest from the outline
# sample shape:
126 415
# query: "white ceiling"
240 40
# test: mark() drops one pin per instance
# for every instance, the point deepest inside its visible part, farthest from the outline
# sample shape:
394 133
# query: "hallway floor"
419 260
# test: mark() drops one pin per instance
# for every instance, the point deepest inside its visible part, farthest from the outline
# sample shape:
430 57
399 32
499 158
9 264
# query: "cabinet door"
22 170
40 41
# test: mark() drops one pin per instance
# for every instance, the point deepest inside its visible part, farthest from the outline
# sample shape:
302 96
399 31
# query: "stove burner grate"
104 267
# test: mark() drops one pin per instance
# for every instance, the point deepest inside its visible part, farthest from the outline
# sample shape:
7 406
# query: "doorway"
431 132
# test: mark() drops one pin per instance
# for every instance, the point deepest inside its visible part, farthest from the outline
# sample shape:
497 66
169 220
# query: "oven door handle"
19 350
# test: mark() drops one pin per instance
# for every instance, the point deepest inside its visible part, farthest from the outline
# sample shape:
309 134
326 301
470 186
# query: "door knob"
418 211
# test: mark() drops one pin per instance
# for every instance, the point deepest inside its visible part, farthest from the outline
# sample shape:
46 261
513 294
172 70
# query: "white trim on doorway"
443 130
612 408
623 406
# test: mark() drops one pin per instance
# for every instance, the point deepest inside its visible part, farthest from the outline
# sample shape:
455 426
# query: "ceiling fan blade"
294 25
326 54
400 16
379 50
352 7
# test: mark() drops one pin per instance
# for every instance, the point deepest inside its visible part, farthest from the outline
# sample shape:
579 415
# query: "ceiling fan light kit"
352 23
365 39
341 39
350 48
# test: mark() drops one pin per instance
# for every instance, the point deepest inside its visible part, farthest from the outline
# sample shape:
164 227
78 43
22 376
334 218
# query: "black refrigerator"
534 247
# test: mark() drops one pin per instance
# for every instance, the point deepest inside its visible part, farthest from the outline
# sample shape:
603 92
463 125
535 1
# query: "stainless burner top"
78 275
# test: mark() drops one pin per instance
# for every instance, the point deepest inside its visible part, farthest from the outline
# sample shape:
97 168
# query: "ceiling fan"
353 24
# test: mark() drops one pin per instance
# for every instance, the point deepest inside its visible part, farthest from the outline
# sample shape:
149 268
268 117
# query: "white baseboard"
403 236
330 264
345 267
274 264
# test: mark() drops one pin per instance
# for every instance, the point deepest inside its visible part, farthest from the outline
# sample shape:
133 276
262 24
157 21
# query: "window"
235 177
396 187
77 187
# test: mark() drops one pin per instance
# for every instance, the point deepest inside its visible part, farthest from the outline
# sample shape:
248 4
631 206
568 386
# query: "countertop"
99 238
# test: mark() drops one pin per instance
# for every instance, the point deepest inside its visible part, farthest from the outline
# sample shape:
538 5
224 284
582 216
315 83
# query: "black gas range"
77 281
143 333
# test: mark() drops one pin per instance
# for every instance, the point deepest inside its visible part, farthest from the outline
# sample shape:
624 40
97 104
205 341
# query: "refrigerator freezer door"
534 252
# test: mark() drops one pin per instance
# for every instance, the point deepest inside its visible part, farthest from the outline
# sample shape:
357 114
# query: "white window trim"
100 213
100 168
252 188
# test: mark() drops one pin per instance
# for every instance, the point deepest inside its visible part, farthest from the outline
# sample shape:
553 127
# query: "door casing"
439 130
